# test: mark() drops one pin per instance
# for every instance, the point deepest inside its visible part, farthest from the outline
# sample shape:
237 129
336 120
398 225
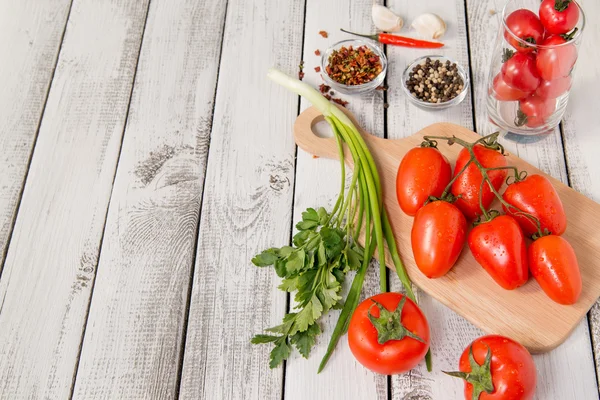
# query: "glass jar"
529 83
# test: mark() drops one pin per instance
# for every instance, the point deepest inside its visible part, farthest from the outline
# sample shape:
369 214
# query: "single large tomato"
468 184
534 111
497 368
499 247
556 60
520 72
554 88
554 265
503 92
388 333
525 25
559 16
437 237
536 195
423 172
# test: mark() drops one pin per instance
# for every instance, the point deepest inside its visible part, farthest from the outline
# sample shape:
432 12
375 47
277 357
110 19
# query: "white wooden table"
145 158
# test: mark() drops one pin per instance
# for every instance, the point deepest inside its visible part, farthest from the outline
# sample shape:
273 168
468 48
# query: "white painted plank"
246 206
580 130
30 37
50 264
135 327
449 332
317 184
567 372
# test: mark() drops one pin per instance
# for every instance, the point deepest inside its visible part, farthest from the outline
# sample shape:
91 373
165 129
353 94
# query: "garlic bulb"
430 26
385 19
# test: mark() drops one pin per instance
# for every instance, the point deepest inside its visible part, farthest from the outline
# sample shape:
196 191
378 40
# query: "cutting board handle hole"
321 128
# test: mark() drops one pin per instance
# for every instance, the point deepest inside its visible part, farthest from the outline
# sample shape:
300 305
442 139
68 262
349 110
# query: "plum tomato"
498 246
520 72
554 88
536 195
534 111
501 91
468 184
437 237
388 333
525 25
495 367
554 266
559 16
556 61
423 172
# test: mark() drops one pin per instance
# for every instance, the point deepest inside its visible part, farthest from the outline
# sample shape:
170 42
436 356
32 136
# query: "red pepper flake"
301 70
317 69
340 102
324 88
382 88
328 97
353 66
324 34
315 156
317 52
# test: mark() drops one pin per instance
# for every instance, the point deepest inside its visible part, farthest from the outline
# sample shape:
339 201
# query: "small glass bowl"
435 106
354 89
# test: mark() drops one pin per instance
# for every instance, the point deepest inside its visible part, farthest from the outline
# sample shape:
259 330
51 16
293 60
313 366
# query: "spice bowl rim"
436 106
354 89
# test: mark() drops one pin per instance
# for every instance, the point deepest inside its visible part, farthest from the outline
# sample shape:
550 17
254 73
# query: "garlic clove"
430 26
385 19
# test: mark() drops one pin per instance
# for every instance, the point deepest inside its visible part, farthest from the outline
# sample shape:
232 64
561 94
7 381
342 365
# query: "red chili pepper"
396 40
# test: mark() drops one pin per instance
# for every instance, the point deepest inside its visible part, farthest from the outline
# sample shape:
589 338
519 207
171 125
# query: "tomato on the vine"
556 61
559 16
519 71
423 172
534 111
525 25
554 266
468 184
499 247
437 237
388 333
503 92
495 367
554 88
535 195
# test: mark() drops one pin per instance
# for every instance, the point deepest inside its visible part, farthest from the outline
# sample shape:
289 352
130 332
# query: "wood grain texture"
246 208
30 37
580 131
135 328
571 360
450 332
51 261
318 184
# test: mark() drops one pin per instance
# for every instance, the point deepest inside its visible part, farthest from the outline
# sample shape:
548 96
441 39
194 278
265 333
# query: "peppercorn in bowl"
353 66
435 82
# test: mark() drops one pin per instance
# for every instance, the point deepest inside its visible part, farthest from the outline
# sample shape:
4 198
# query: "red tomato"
503 92
437 237
376 346
499 247
511 367
559 16
534 111
554 265
468 184
520 72
555 62
423 172
553 89
526 26
536 195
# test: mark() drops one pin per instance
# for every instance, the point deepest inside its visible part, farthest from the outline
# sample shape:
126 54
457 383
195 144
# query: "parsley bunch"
325 248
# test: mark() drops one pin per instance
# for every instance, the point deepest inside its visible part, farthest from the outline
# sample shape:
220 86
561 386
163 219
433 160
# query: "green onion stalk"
365 189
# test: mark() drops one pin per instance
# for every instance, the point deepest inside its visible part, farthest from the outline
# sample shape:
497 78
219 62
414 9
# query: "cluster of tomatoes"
538 68
442 204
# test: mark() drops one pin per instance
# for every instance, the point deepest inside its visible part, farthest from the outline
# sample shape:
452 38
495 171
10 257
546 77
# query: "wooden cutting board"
525 314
